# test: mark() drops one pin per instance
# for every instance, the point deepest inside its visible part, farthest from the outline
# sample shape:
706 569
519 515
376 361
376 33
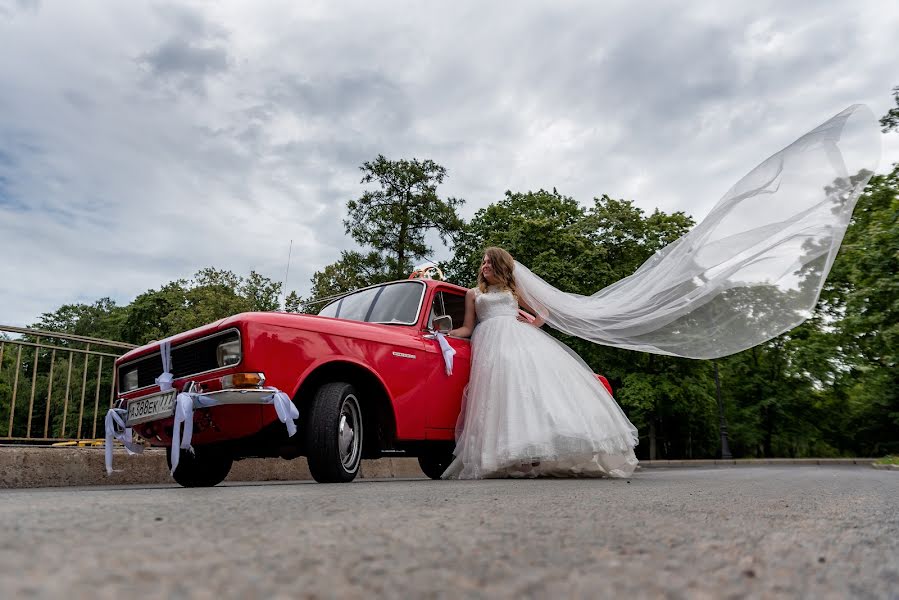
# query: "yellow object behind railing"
82 443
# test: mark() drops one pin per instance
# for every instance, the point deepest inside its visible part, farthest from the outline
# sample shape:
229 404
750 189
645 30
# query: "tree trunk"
401 241
769 426
652 439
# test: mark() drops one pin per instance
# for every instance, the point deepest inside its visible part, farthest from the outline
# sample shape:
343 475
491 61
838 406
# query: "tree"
541 229
180 305
102 319
395 218
261 291
866 273
890 121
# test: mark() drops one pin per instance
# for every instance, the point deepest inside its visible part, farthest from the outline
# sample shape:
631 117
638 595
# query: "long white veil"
751 270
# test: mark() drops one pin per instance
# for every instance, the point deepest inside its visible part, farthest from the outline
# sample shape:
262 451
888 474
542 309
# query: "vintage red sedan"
366 374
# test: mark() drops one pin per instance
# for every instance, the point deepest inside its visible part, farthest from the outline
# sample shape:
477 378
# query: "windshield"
395 303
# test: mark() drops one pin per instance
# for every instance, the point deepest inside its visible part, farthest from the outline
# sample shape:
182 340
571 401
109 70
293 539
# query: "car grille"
188 358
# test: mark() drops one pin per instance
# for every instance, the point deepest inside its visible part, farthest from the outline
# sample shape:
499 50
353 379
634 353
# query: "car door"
444 392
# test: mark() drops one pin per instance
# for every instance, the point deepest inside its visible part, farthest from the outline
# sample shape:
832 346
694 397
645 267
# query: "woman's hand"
525 317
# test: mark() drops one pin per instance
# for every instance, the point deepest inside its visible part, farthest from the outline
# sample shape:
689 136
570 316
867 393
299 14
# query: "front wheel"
334 434
205 467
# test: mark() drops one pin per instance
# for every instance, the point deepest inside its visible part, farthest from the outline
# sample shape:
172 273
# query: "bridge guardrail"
37 367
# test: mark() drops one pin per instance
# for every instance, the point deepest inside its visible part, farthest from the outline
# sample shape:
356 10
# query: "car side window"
447 303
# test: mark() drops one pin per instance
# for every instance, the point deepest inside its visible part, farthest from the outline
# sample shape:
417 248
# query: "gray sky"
142 141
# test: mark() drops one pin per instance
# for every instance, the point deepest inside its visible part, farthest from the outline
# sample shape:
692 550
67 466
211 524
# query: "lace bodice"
495 303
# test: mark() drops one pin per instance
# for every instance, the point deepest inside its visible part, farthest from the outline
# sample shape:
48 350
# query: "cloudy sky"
142 141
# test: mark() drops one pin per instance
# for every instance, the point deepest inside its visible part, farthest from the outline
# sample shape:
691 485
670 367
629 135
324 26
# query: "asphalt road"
699 533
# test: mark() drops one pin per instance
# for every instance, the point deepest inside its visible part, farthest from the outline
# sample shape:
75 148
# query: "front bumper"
226 397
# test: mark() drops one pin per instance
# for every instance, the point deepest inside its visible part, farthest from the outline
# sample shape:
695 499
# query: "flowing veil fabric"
751 270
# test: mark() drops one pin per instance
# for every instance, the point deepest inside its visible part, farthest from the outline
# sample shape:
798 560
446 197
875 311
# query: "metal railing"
37 367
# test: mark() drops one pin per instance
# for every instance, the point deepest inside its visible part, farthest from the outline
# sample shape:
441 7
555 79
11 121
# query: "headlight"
228 352
129 380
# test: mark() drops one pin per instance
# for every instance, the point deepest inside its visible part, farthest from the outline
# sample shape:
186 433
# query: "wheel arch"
378 415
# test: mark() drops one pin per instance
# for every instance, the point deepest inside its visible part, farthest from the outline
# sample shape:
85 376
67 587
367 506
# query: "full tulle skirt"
533 408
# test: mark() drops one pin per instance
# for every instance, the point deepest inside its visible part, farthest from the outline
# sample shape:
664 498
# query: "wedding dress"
533 407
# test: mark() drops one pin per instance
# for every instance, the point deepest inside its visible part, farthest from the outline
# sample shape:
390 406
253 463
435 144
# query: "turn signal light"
243 380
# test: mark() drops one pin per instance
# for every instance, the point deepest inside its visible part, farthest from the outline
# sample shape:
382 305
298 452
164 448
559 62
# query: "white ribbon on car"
287 411
164 381
447 350
184 415
116 429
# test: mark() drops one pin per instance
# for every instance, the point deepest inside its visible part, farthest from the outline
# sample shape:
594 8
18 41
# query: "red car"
367 376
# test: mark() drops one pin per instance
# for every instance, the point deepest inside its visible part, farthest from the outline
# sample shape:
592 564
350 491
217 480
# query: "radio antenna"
286 273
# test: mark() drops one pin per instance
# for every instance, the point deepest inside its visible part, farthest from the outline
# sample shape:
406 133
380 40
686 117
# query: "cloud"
157 139
9 8
195 50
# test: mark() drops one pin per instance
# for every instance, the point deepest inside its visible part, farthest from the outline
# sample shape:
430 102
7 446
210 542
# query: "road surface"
697 533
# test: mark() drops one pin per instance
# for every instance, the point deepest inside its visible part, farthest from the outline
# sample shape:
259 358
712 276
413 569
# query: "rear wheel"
334 433
205 467
433 464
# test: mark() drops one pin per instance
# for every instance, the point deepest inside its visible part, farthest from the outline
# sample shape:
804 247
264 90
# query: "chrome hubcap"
349 433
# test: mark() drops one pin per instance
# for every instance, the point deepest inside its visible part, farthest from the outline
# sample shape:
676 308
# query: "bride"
751 270
532 406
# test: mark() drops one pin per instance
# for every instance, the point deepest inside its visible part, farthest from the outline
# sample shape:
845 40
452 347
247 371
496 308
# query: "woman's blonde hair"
503 264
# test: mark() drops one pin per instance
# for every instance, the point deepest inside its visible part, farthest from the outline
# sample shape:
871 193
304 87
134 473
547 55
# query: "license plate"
151 408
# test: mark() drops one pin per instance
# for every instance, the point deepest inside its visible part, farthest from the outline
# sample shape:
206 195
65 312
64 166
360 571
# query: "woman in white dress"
751 270
532 407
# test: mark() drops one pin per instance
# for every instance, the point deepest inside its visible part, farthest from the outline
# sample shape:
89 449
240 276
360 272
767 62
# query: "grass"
887 460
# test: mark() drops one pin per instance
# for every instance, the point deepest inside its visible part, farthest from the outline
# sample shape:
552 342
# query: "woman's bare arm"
469 321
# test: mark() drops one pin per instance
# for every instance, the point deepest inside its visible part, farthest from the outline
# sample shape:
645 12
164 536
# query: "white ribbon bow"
287 411
448 352
164 381
184 414
115 429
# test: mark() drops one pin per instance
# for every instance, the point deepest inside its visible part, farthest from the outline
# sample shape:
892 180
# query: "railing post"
65 406
15 389
37 355
83 391
97 397
49 395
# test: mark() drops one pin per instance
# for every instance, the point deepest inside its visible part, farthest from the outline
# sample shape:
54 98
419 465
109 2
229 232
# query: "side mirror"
443 324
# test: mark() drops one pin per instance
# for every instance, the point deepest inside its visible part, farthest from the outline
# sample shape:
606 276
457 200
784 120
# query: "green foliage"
867 274
102 319
541 229
395 218
182 305
890 121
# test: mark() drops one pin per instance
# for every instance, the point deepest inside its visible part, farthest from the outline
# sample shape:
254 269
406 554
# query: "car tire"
434 464
334 433
204 467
